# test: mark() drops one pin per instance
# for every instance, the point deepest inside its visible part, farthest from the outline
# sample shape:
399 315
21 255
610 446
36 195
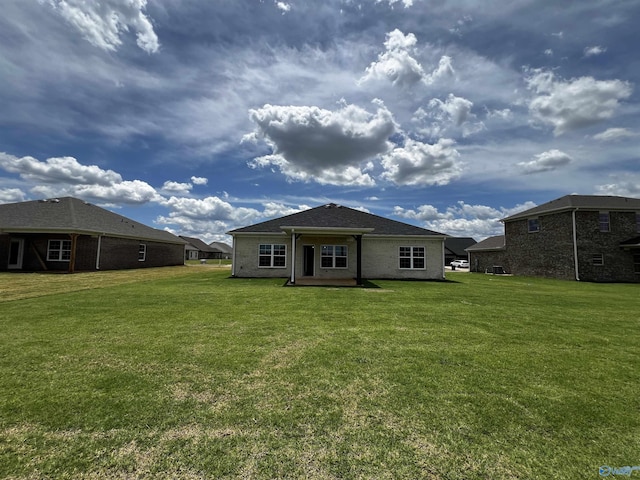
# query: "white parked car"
460 263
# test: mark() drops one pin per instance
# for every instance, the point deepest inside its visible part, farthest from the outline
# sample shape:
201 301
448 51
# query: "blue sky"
200 116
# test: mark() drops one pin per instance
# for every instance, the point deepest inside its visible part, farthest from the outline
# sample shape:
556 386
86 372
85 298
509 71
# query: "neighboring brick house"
336 242
69 235
196 249
581 237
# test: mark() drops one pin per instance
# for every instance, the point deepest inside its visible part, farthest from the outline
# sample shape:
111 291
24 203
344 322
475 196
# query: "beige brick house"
581 237
332 242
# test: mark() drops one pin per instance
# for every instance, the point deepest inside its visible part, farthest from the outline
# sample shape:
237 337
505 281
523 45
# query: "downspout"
443 257
233 256
575 245
98 253
293 256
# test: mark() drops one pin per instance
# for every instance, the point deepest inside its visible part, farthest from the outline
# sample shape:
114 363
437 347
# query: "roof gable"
197 243
338 217
583 202
72 215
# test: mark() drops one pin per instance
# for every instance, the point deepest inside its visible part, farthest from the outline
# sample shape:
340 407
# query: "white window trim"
272 255
412 257
333 257
142 249
59 251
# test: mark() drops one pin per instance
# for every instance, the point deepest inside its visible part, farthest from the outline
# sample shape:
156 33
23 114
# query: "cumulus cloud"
418 163
627 186
593 51
57 169
398 65
314 144
210 214
462 219
199 180
58 176
10 195
546 161
102 23
284 6
576 103
177 187
612 134
406 3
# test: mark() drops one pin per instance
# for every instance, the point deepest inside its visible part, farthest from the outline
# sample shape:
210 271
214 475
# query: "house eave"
326 230
93 233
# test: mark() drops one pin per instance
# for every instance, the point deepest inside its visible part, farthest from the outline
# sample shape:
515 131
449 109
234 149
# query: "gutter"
575 244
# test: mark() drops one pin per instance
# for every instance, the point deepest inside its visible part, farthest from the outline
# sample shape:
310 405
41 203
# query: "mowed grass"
185 373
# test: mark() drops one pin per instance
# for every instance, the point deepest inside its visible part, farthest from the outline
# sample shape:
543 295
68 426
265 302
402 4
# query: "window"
412 258
534 225
142 252
59 251
272 256
598 259
603 221
333 256
638 222
636 263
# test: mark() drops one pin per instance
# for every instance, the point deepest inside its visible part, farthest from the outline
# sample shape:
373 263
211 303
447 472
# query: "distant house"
336 242
454 248
68 234
581 237
196 249
221 250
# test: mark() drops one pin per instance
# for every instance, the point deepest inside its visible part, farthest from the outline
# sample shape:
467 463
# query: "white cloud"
329 147
199 180
406 3
62 176
546 161
177 187
612 134
57 170
420 163
462 219
205 217
275 209
102 23
624 186
593 51
398 65
284 6
576 103
10 195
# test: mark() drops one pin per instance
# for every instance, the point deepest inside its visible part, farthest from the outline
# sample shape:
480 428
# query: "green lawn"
185 373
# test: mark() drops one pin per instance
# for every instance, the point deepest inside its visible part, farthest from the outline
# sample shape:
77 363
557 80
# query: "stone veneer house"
581 237
68 234
336 242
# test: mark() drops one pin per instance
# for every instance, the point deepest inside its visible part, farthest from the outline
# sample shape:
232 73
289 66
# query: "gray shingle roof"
586 202
457 245
197 243
337 216
72 215
221 247
491 243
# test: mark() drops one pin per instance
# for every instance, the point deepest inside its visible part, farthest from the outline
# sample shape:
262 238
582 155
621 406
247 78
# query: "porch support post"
72 260
293 256
358 259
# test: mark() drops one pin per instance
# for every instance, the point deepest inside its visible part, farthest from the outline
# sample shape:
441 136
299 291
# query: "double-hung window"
333 256
59 251
142 252
534 225
272 255
412 258
604 221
